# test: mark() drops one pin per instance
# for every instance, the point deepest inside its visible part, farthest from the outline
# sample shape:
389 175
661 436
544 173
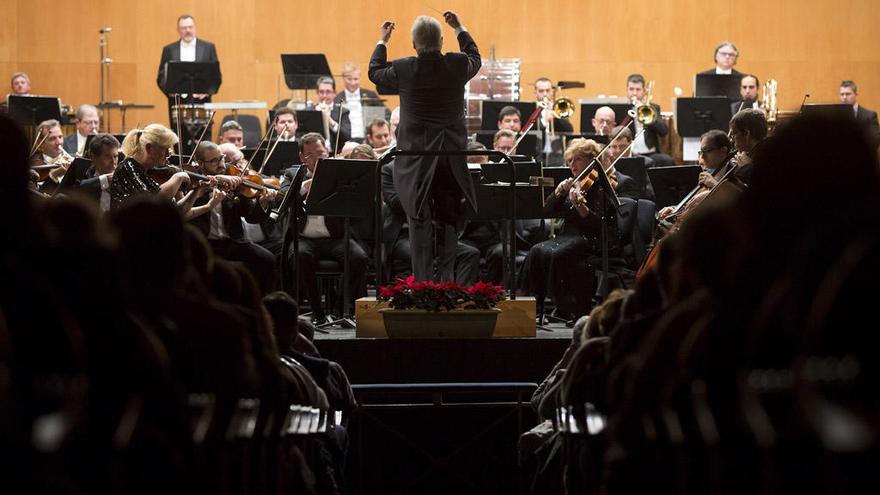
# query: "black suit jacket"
712 71
70 144
395 216
654 131
205 52
431 88
868 119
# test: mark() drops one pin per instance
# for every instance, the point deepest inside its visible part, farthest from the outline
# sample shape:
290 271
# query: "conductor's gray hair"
426 34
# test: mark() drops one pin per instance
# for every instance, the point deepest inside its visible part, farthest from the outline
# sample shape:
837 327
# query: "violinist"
104 150
558 267
747 129
144 150
50 152
715 159
223 226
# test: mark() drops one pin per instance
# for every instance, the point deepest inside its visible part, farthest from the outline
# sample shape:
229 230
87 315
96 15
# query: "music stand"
343 188
310 121
31 110
302 70
609 198
718 85
290 211
285 155
696 116
191 78
75 173
832 110
672 184
528 146
588 111
500 172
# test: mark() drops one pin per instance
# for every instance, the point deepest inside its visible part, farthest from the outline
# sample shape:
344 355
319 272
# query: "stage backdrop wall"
807 45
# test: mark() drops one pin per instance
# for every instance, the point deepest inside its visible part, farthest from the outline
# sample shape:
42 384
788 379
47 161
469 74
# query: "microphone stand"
105 61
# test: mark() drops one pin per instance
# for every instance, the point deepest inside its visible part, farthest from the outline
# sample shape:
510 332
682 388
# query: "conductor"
431 88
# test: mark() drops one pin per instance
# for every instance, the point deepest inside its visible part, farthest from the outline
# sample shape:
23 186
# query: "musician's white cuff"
381 42
460 29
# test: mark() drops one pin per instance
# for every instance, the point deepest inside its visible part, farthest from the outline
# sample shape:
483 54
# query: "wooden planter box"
455 324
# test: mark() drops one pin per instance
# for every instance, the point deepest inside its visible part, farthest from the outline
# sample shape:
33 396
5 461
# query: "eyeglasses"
727 54
704 151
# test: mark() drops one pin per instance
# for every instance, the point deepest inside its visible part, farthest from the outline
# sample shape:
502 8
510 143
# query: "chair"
252 128
619 267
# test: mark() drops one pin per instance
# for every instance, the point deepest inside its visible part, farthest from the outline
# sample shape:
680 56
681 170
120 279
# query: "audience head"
726 54
311 150
21 84
510 118
714 148
87 121
544 89
150 146
604 120
504 141
186 28
378 133
580 153
284 312
51 130
427 35
477 146
326 88
748 128
849 92
104 153
351 77
285 116
748 87
232 132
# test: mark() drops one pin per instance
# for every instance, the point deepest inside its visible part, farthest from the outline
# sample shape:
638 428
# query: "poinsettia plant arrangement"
433 296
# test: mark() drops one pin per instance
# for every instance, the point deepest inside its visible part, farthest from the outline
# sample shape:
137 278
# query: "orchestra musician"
326 89
87 123
647 143
232 132
431 87
187 49
104 153
223 225
378 134
849 94
748 94
51 152
322 237
715 160
504 141
748 128
604 120
726 55
285 124
545 91
144 150
510 118
20 85
355 98
557 267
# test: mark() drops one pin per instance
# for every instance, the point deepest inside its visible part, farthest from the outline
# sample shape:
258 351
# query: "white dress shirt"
218 230
355 113
719 70
188 51
315 227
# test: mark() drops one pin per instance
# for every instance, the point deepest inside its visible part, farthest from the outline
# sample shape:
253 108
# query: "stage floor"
500 359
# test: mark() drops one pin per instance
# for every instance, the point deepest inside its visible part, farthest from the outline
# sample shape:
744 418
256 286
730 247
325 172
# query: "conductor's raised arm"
381 72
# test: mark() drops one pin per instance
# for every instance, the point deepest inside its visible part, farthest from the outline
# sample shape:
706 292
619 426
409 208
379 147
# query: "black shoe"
318 320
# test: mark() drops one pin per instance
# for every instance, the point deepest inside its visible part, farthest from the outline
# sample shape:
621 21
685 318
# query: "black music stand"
491 109
302 70
588 111
285 155
634 166
718 85
343 188
672 184
831 110
75 173
610 198
191 78
310 121
289 212
696 116
31 110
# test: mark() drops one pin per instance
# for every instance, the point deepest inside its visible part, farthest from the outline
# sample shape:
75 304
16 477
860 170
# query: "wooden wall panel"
807 45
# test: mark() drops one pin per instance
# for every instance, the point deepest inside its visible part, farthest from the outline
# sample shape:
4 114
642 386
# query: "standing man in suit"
648 143
726 54
431 87
355 98
87 123
186 49
849 94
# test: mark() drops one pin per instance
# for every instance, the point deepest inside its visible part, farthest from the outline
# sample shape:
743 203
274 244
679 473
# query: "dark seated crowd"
744 360
134 360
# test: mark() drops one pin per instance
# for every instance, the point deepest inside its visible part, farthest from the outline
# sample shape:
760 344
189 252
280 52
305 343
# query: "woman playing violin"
558 266
144 150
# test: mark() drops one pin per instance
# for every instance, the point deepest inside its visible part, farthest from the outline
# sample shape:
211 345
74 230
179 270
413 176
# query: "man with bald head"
87 123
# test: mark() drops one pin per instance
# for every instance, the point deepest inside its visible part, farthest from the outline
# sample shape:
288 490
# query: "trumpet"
644 112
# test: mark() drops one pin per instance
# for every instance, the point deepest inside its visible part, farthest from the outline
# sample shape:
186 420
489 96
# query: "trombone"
645 113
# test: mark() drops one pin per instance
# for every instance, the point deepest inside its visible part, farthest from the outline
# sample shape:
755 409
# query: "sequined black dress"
130 179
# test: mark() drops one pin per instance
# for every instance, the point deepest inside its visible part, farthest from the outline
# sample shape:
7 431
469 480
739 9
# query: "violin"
587 182
253 184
